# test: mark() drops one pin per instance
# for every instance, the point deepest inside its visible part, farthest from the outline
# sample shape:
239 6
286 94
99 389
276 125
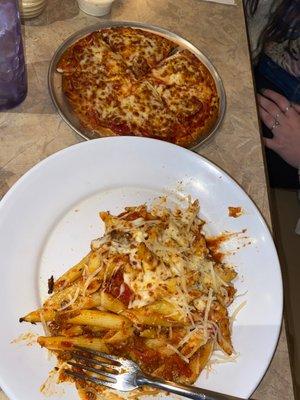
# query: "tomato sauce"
214 244
147 358
175 368
235 212
119 289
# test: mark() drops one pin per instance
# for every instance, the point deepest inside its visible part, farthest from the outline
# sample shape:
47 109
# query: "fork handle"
191 392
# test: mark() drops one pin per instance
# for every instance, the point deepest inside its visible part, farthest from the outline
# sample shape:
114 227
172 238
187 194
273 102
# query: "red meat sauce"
171 367
214 244
114 288
148 359
235 212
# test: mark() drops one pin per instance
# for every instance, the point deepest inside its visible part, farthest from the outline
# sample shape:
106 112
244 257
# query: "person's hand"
283 119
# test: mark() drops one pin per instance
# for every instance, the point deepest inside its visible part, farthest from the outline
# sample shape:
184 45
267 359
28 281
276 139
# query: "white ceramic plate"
49 217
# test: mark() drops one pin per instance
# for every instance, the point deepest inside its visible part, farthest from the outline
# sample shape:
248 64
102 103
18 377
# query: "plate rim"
60 153
158 30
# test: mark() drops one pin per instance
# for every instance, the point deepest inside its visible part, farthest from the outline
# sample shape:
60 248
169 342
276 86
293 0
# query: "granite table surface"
34 130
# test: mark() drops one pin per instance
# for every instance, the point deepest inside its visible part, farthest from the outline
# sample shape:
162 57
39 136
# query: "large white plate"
49 217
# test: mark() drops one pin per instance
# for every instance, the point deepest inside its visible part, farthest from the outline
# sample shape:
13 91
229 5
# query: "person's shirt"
286 55
257 23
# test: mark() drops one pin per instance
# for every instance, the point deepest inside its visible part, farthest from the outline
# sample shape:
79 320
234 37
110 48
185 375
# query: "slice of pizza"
146 113
92 55
141 50
95 100
119 107
189 91
182 68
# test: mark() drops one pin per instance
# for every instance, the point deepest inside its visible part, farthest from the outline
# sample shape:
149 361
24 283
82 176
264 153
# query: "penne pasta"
68 343
149 290
71 275
101 319
38 315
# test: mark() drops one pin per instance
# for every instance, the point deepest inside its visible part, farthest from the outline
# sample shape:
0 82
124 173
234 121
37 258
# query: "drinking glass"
13 78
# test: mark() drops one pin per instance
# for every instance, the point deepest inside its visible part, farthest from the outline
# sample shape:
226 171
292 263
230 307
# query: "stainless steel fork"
121 374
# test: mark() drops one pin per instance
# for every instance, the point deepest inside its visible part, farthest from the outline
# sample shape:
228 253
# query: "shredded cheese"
71 300
187 337
156 265
90 278
185 359
44 324
235 313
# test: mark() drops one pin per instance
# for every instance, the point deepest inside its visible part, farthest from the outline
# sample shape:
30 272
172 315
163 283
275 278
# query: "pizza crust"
192 139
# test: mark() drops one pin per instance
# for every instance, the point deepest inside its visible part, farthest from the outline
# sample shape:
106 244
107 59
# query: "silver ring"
276 123
287 108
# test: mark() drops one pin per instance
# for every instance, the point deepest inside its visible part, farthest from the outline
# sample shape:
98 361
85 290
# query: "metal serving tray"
61 103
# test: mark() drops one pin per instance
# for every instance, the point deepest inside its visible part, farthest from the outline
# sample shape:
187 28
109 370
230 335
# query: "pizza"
93 56
141 50
128 81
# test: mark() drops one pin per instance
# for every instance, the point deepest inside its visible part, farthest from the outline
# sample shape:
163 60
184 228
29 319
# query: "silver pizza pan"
61 103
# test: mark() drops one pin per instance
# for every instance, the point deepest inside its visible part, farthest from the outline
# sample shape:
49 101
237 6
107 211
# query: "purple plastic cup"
13 78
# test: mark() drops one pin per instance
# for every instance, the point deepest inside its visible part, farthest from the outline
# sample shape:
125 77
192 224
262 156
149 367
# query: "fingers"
271 122
267 118
277 98
270 107
282 103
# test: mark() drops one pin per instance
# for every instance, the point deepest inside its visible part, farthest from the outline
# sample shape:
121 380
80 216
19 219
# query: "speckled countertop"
34 130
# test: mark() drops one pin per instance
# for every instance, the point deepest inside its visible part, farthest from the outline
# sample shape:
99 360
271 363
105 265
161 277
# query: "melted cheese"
121 81
139 49
179 70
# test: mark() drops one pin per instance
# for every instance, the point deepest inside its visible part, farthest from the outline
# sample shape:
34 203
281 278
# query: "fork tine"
91 369
100 354
85 377
113 367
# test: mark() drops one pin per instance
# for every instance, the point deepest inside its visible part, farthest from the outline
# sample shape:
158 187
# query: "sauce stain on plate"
235 212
